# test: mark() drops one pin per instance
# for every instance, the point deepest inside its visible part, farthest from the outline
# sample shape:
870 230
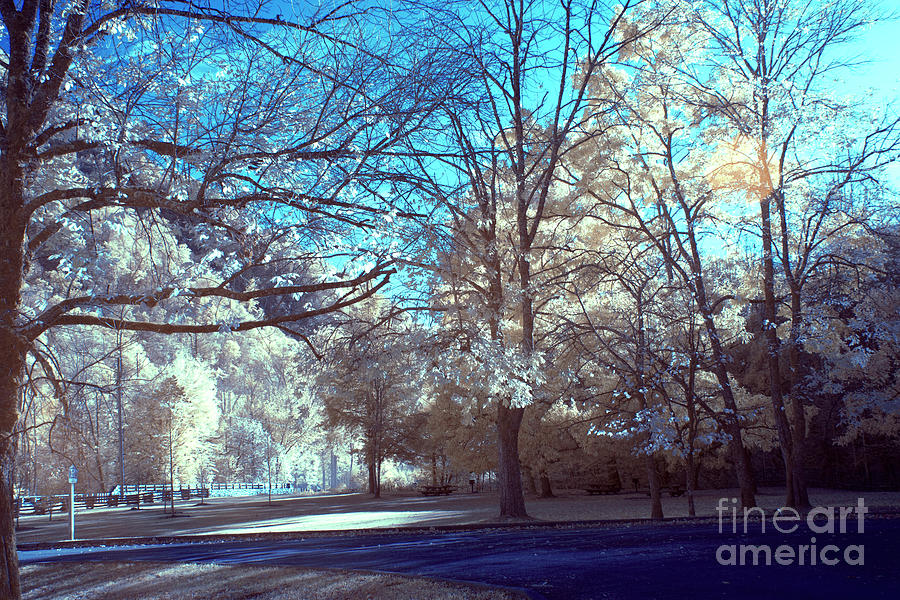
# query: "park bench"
603 489
134 499
437 490
42 505
674 490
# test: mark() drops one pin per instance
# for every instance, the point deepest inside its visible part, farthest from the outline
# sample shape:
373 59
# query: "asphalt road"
630 561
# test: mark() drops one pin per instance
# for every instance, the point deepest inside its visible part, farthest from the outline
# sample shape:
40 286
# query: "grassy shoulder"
166 581
287 515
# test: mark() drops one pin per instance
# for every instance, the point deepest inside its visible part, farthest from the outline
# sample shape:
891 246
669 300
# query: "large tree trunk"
613 477
773 358
378 478
656 511
528 481
546 488
512 499
12 348
10 373
690 484
732 427
798 417
371 471
434 477
9 559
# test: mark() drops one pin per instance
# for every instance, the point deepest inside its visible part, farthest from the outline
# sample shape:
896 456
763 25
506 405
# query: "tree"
506 141
858 350
267 135
653 185
763 83
369 384
614 320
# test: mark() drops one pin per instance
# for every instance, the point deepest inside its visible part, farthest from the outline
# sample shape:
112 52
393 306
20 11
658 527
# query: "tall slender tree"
771 94
507 146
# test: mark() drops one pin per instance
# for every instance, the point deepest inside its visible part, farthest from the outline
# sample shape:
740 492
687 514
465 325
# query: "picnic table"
437 490
603 489
674 490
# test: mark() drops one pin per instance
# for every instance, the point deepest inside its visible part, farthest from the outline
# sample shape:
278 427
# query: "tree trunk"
773 354
528 481
350 486
730 423
12 348
10 375
9 559
689 484
333 474
512 500
378 478
656 511
434 477
546 488
613 477
371 471
120 414
798 417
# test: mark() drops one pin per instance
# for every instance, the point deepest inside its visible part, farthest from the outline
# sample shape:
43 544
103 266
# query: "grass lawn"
250 515
161 581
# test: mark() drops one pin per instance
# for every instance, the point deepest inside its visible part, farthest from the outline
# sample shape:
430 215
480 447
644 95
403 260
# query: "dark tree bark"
509 475
371 471
690 483
673 231
434 477
12 233
798 415
528 480
9 558
656 510
613 477
546 487
773 358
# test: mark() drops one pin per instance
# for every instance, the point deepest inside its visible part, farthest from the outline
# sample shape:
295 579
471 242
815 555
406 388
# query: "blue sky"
880 46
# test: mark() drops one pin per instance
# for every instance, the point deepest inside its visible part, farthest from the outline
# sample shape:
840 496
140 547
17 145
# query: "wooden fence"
42 505
130 495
